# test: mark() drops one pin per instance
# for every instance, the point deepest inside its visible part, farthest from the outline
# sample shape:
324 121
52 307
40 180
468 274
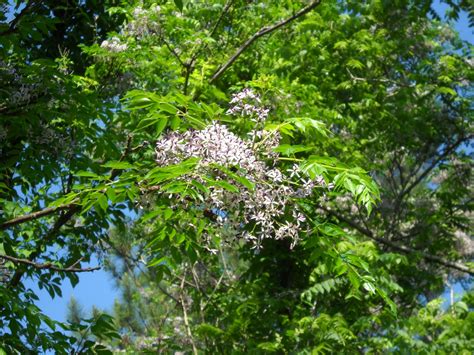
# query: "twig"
355 78
402 248
224 263
189 65
262 32
35 215
216 287
440 158
185 315
173 51
72 206
61 221
189 69
128 147
166 293
221 16
48 266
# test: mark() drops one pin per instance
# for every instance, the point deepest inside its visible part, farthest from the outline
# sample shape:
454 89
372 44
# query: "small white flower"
114 45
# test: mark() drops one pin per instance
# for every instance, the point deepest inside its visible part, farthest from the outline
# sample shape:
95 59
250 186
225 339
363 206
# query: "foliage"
258 177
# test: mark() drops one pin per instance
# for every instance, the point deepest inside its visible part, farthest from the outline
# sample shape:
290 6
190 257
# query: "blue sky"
94 288
97 288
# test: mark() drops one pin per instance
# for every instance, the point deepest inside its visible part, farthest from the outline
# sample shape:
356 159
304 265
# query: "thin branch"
197 281
189 65
34 215
189 69
166 293
221 16
440 158
128 147
407 187
185 315
173 52
262 32
355 78
402 248
72 206
47 266
216 287
211 33
224 263
62 220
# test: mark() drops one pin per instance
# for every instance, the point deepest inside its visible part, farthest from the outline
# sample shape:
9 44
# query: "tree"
239 168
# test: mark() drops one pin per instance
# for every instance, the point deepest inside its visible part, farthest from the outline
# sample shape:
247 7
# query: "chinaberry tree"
257 176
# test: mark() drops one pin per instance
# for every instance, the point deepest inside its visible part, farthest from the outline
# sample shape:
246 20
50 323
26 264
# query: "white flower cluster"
247 103
142 23
21 91
23 95
48 141
114 45
265 211
464 242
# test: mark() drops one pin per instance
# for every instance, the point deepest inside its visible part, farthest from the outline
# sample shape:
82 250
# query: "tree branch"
262 32
185 315
50 210
63 219
34 215
440 158
189 65
173 52
48 266
402 248
221 16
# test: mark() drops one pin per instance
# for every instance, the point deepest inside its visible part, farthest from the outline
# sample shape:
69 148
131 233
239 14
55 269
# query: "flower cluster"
143 23
265 206
464 242
22 89
247 103
48 141
215 144
114 45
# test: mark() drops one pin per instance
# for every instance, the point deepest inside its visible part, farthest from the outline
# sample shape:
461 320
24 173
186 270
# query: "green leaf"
150 215
369 287
446 91
167 107
355 64
161 125
118 165
103 202
238 178
175 123
111 194
208 330
158 261
287 149
224 184
179 4
87 174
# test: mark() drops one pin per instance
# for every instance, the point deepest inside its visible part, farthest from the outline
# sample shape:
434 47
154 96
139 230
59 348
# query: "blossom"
143 23
114 45
264 207
247 103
